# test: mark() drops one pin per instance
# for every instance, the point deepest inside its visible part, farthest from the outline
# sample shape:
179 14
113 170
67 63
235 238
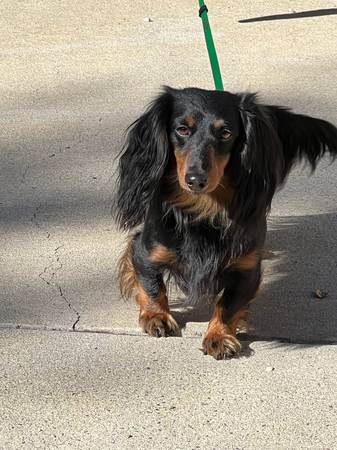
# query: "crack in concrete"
70 306
49 272
34 219
47 276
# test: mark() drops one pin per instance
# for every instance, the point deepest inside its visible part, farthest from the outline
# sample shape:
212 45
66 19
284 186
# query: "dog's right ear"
143 160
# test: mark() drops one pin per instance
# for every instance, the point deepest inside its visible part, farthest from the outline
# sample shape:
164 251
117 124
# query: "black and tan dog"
198 172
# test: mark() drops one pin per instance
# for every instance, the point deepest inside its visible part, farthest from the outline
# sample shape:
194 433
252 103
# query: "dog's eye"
183 131
225 135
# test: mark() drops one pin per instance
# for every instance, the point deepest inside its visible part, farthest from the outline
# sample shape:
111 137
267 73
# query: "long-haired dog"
198 173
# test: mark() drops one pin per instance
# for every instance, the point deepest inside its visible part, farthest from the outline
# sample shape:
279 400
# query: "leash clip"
202 10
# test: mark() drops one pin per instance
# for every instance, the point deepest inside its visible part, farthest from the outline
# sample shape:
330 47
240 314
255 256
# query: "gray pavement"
73 76
123 392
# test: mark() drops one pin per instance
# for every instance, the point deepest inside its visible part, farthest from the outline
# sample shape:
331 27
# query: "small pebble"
321 293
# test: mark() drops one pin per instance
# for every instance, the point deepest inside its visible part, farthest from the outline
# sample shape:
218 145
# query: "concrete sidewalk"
87 390
73 76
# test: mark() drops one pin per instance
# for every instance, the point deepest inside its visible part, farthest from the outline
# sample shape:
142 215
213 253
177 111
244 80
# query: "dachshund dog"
197 175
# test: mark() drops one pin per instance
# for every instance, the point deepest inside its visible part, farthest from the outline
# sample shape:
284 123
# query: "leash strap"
210 47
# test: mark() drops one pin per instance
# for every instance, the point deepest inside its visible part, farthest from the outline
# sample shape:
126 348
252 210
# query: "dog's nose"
196 181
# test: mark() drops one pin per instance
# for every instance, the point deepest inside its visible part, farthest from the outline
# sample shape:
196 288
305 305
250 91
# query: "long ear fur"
303 137
258 164
142 162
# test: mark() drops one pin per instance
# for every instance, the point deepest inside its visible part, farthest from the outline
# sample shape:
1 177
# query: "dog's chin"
206 190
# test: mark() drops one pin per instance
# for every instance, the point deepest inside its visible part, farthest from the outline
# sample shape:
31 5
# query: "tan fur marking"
217 315
162 255
239 320
204 206
247 262
190 121
216 173
220 341
181 167
217 324
148 305
126 272
218 123
154 315
217 194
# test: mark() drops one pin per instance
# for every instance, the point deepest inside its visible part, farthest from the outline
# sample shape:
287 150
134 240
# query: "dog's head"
204 129
201 136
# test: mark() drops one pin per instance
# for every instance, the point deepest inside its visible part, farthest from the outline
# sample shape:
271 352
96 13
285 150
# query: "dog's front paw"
159 325
221 345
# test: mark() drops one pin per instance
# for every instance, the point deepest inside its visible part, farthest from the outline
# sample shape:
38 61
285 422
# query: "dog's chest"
204 250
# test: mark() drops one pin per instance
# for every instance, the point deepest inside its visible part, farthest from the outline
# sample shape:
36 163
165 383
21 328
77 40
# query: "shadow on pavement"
293 15
300 256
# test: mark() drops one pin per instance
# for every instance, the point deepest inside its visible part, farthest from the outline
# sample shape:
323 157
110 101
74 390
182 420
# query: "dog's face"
204 130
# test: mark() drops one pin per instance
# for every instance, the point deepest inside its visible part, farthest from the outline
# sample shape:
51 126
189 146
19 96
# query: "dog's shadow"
300 257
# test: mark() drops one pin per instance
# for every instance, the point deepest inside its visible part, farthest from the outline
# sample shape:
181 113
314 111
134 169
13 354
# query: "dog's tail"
304 137
126 272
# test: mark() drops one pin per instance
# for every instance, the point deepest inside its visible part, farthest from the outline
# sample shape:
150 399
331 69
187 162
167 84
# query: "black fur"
143 162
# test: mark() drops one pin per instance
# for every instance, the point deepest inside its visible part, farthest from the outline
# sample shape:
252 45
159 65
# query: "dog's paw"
221 345
159 325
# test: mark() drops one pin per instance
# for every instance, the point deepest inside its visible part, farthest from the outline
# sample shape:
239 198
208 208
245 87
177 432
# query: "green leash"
210 47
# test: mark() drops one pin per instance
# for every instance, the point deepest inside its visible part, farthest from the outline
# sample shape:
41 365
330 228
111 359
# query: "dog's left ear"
260 158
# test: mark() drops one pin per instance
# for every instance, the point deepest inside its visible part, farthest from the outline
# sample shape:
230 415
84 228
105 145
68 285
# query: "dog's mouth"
200 190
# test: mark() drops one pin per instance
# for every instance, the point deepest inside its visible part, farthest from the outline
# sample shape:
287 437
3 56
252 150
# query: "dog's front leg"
220 340
154 315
